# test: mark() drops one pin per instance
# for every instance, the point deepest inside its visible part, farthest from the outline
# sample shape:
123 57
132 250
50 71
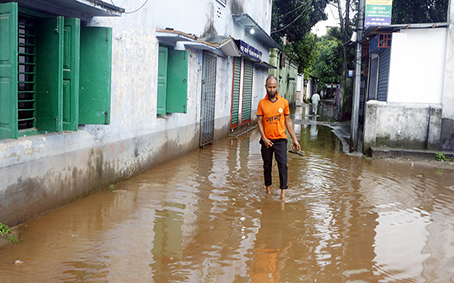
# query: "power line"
308 4
138 8
134 10
288 12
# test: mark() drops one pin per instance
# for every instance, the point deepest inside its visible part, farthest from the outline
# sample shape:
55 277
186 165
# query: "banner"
378 12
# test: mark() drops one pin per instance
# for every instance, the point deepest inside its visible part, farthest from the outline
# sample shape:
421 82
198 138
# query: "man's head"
271 86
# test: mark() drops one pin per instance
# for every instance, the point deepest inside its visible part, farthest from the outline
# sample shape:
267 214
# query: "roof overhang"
372 30
265 65
259 34
222 46
83 9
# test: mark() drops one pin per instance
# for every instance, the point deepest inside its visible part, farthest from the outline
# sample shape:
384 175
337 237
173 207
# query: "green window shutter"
71 51
177 77
49 75
162 80
95 75
8 70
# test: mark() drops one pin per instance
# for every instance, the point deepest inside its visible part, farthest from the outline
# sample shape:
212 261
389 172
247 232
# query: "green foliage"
419 11
441 157
294 19
111 188
328 65
13 239
304 52
335 32
4 229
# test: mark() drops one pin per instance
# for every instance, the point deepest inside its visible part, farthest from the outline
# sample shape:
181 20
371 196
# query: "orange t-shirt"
273 115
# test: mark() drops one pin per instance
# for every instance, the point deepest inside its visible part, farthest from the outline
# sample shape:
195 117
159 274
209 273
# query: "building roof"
372 30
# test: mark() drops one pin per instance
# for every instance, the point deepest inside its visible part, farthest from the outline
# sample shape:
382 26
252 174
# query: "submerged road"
205 217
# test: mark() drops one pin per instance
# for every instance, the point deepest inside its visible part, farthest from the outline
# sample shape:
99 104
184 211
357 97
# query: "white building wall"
417 66
40 173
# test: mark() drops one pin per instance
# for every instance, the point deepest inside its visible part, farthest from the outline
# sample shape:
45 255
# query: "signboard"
248 50
378 12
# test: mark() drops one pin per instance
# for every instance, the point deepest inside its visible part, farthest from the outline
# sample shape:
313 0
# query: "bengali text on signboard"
378 12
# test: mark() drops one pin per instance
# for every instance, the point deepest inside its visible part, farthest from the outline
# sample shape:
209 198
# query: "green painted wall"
286 72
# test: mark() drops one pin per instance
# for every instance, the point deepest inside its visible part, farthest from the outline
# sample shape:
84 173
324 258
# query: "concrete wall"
416 66
396 125
447 137
44 172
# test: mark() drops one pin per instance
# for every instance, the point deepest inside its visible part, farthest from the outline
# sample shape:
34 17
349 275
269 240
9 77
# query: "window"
172 81
54 74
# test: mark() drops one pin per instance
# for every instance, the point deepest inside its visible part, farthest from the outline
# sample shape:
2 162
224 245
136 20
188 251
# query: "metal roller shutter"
247 91
382 91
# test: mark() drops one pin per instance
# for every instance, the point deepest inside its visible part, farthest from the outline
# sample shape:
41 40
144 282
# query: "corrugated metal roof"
393 28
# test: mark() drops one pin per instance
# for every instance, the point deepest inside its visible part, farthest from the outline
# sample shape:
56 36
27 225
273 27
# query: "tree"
328 66
291 26
293 19
304 52
419 11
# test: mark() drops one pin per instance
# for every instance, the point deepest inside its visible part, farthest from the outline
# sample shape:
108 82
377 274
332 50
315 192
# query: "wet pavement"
205 217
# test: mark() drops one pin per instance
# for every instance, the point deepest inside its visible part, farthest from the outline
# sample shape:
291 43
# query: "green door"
95 75
49 75
177 86
71 51
8 70
162 80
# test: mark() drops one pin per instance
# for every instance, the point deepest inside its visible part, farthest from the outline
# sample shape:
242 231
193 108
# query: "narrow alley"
205 217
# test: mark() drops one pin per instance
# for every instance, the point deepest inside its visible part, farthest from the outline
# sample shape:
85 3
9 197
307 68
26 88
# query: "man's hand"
296 144
267 142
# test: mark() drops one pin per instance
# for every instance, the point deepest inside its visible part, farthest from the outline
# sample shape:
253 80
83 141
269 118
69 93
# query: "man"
273 117
315 100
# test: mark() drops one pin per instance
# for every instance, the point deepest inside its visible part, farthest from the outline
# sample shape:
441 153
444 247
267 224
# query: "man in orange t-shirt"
273 117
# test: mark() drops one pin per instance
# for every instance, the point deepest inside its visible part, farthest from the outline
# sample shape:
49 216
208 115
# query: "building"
409 98
103 91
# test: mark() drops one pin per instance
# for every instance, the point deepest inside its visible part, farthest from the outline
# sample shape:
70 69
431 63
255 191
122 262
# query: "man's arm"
266 141
289 125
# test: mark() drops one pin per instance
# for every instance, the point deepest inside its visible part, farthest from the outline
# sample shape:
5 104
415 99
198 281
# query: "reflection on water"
205 217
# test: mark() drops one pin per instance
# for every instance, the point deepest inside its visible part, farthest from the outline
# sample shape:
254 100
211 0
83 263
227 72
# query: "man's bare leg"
268 190
283 194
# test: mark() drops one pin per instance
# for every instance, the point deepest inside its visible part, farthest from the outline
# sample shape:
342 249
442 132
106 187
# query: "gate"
208 99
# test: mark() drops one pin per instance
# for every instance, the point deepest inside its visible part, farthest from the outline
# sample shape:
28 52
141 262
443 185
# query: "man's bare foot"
282 194
268 190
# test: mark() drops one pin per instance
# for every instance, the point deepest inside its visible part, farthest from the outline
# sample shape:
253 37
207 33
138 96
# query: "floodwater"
205 217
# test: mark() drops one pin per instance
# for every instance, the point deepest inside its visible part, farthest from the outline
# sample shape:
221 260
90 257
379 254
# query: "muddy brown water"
205 217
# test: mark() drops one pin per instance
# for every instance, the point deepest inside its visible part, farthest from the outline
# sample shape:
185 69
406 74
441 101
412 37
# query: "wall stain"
209 29
236 7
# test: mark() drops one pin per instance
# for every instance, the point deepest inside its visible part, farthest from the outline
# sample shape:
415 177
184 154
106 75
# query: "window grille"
26 73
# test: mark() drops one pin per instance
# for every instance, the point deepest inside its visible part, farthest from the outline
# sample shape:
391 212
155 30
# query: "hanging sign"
249 50
378 12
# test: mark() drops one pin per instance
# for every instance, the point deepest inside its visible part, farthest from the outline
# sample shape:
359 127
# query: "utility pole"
356 93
